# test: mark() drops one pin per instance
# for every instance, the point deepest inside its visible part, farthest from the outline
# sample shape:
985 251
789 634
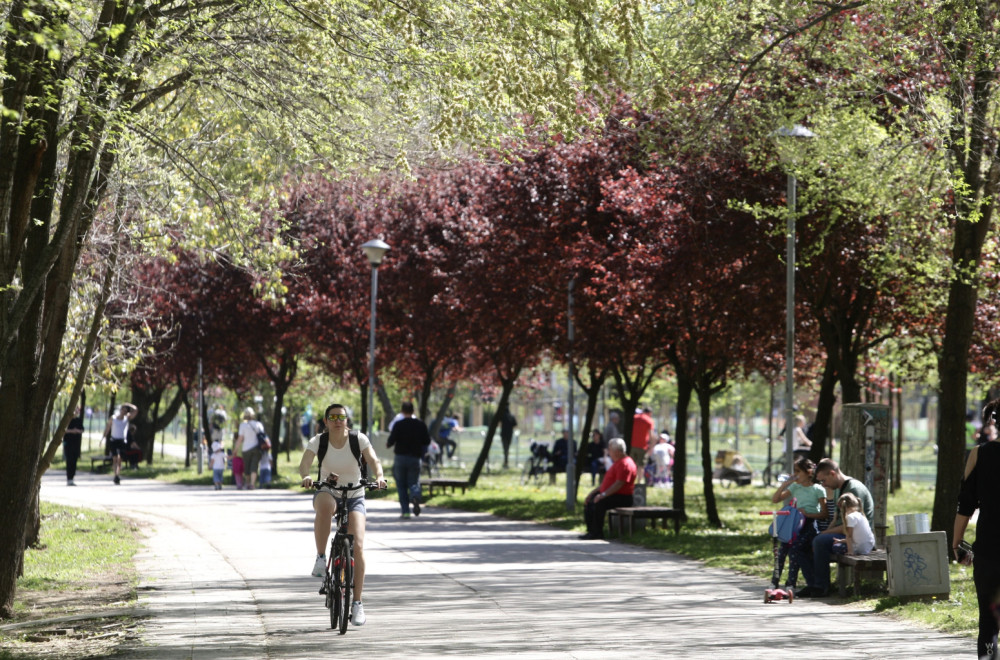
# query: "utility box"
917 565
865 455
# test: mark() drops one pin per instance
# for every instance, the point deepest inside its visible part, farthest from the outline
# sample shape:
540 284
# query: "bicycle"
338 582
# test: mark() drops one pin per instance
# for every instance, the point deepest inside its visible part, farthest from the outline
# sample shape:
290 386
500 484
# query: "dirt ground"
100 620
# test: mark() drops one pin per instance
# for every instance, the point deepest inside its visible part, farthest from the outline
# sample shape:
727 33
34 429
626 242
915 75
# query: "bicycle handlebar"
366 484
775 513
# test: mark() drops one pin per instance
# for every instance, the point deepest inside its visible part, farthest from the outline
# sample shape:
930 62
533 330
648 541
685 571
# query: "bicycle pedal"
322 590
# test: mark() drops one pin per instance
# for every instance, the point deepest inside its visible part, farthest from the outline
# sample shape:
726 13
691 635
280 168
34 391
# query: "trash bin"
917 565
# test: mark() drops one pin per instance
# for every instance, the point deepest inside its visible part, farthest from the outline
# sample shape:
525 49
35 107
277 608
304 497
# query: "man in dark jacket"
409 439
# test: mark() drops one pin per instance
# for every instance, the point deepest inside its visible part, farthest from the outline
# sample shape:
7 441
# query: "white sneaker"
357 613
319 568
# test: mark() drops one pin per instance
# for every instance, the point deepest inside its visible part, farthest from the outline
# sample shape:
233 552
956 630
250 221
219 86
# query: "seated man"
560 455
817 574
615 490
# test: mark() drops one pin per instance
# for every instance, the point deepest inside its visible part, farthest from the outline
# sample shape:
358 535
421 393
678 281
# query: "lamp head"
375 250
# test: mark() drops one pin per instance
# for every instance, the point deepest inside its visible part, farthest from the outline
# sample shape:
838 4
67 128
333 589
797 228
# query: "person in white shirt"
859 537
339 459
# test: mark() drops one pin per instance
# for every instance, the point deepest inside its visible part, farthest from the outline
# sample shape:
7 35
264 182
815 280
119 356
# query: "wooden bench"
105 461
431 484
872 565
652 513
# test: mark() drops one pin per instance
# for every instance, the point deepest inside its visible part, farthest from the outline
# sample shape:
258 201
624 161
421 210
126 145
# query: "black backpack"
352 439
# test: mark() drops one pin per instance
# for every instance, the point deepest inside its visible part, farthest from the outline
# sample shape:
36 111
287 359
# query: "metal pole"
371 354
201 412
790 331
570 454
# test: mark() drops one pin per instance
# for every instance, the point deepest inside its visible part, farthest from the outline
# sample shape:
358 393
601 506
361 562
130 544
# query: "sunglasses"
337 417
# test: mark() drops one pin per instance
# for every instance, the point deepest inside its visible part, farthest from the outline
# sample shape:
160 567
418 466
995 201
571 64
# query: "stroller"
731 468
538 465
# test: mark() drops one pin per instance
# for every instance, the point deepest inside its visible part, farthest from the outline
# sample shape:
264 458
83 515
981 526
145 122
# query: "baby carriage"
538 465
731 468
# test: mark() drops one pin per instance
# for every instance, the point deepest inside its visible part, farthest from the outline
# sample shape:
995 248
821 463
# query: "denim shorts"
353 503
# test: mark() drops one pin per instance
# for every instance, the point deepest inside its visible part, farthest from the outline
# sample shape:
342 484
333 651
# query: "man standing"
507 425
817 575
615 490
71 445
642 433
613 428
409 438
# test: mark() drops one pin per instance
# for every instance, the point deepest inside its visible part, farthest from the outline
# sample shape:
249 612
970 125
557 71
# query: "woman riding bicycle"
339 459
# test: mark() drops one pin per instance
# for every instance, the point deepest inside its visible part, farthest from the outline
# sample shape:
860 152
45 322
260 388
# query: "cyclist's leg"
356 526
324 506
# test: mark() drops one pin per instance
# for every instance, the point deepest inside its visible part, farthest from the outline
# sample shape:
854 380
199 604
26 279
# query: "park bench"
652 513
431 484
872 566
105 461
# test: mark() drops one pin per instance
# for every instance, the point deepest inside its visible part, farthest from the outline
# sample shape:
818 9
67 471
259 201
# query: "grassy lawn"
82 565
742 544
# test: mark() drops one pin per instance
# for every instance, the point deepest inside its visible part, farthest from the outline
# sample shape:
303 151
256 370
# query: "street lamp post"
375 250
799 132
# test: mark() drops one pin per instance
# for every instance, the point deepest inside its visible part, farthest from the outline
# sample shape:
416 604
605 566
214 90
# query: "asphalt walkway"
226 574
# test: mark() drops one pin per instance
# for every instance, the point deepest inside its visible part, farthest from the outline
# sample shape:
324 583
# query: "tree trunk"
507 385
684 390
824 412
705 391
593 392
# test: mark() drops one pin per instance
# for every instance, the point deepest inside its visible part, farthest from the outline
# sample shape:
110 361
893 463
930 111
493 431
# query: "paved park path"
226 574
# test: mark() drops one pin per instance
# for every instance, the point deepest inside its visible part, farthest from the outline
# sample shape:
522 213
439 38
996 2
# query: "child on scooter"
810 499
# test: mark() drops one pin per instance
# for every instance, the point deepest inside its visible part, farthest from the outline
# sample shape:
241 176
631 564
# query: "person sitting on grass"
615 490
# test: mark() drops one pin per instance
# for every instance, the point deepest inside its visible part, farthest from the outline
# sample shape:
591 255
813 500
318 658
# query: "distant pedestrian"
250 431
448 425
507 425
217 459
613 429
116 435
265 466
643 432
409 439
72 439
237 462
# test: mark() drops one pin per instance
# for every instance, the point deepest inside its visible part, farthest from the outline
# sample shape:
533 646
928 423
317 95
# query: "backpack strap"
324 444
355 442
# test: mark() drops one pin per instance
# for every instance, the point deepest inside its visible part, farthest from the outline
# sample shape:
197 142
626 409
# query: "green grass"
742 544
76 545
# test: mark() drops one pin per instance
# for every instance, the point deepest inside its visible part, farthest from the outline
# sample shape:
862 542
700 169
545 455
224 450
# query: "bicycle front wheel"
344 581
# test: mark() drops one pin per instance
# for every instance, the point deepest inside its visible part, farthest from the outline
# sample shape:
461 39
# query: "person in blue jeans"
817 575
409 440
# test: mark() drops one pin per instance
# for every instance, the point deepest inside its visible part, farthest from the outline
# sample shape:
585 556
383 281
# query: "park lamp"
375 250
797 132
